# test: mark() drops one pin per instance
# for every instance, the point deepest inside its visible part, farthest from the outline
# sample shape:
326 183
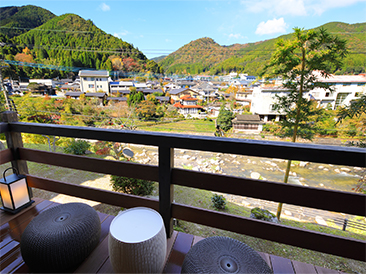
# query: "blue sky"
161 27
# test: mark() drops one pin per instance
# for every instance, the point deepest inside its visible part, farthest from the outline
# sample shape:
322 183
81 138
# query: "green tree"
135 97
357 109
146 110
295 61
224 119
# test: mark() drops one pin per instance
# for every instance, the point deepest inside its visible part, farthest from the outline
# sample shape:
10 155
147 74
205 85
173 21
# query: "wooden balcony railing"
167 176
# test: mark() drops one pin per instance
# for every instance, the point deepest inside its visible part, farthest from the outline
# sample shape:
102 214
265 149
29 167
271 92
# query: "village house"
247 123
176 94
94 81
121 87
188 106
101 97
206 90
244 97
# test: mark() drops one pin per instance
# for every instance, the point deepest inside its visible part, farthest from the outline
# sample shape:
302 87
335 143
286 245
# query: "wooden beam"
94 194
326 199
127 169
6 156
331 244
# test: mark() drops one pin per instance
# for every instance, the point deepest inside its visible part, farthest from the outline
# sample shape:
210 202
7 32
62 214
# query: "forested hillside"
70 41
206 56
17 20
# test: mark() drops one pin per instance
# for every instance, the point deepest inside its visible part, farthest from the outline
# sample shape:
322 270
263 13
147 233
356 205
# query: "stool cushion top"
223 255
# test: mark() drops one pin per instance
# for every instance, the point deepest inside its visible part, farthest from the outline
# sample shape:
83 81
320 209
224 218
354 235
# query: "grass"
193 126
202 199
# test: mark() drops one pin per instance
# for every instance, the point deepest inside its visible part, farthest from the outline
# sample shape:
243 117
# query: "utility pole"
7 103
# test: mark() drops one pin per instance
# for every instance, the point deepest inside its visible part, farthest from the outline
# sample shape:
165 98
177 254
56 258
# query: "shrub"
219 202
263 214
77 147
132 185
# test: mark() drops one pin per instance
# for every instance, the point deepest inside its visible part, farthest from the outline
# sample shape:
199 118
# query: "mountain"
206 56
17 20
69 41
157 59
76 42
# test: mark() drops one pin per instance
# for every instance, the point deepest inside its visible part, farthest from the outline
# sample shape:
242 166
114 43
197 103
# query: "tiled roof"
179 105
245 118
188 98
95 94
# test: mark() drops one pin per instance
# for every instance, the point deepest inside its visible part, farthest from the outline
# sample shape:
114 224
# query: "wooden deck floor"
12 227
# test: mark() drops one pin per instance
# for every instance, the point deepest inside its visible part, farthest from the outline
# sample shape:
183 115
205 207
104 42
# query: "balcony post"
14 141
166 189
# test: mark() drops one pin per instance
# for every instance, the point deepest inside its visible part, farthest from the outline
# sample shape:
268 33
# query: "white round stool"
137 241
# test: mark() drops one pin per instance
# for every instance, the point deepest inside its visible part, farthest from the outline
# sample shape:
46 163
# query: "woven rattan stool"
223 255
60 238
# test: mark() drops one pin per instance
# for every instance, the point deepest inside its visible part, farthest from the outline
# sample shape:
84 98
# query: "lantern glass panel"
19 190
5 196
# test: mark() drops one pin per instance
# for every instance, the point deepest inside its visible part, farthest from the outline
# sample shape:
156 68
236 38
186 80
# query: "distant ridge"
17 20
204 55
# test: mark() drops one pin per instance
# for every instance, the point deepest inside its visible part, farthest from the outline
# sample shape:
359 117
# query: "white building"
263 100
140 86
94 81
46 82
346 88
121 87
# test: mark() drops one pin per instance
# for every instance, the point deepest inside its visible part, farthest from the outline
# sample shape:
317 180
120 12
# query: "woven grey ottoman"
60 238
223 255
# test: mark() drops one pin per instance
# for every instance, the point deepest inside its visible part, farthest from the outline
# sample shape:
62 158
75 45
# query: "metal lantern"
14 191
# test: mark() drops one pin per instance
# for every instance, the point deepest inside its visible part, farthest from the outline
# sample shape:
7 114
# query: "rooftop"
94 73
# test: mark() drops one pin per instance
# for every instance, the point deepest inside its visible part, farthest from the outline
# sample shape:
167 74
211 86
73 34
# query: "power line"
243 51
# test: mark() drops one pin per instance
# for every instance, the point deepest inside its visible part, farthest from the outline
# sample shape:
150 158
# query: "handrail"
167 176
270 149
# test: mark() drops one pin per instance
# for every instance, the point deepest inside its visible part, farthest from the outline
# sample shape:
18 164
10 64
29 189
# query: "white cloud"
236 35
318 7
271 27
104 7
295 7
122 33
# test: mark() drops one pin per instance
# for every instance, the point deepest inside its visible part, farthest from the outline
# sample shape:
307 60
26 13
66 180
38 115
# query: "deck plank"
266 258
300 267
322 270
11 261
281 265
7 217
196 239
182 245
96 259
106 267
